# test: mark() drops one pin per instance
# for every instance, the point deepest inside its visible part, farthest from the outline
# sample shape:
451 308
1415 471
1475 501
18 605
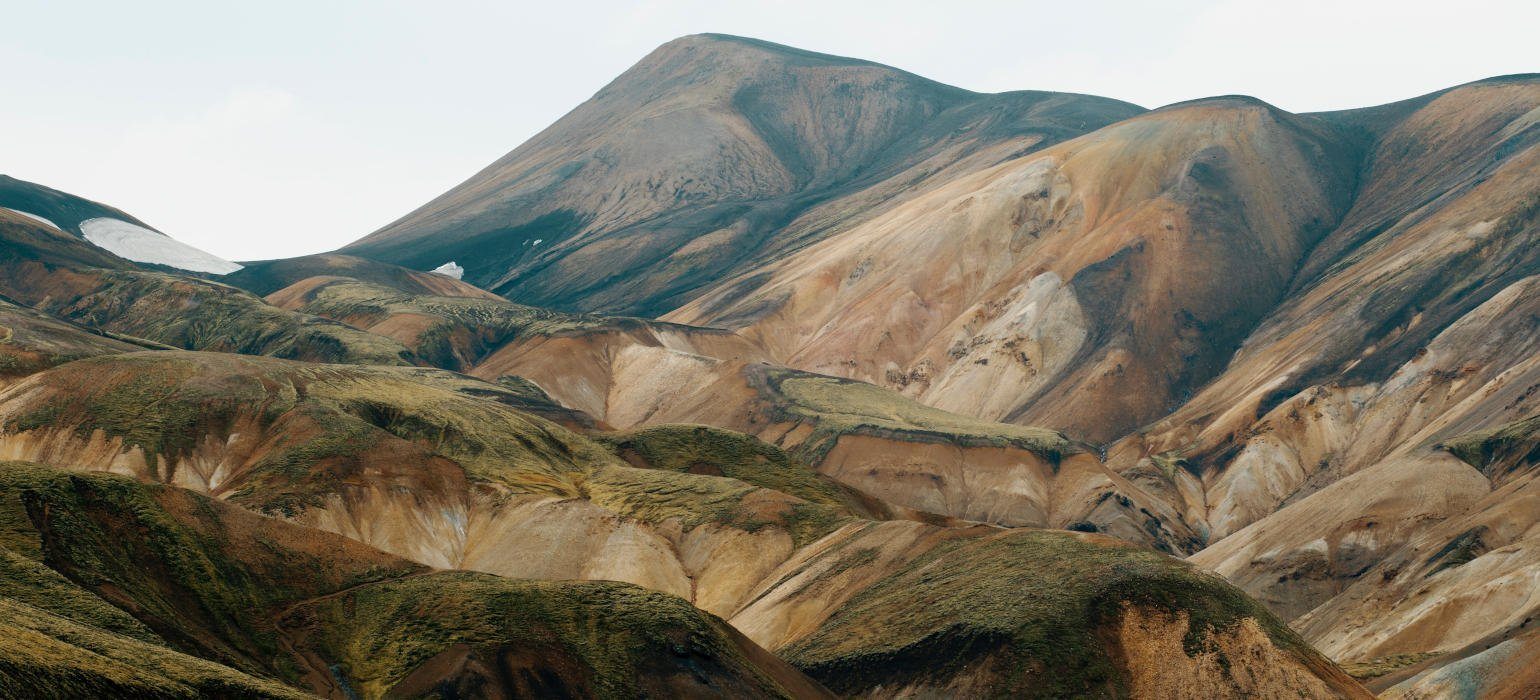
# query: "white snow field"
450 269
34 217
140 244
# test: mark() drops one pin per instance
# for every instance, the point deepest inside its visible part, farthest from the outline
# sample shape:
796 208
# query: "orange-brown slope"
865 436
32 341
1089 287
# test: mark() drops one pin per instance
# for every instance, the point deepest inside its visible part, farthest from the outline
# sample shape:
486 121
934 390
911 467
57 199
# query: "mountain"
1262 327
709 157
438 469
106 227
772 373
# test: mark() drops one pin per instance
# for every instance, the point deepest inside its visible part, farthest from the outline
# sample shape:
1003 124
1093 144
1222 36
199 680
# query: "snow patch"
34 217
140 244
450 269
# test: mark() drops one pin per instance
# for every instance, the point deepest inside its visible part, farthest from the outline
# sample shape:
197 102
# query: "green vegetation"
656 496
1374 668
198 314
200 575
27 581
325 423
162 403
822 504
31 341
604 639
1500 448
700 449
267 597
837 406
463 329
48 656
1040 598
82 551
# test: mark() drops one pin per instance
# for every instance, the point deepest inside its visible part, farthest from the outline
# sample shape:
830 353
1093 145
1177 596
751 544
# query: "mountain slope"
1087 287
105 227
72 280
267 596
712 153
434 468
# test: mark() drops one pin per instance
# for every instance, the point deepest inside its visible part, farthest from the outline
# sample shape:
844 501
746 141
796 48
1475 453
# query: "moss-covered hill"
123 589
77 282
264 278
32 341
701 449
453 332
1500 450
836 406
971 610
1035 613
307 432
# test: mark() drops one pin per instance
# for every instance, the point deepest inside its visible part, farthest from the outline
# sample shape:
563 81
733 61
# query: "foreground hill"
148 591
440 469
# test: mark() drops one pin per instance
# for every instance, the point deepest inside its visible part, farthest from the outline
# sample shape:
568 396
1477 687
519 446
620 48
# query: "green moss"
835 406
1509 445
198 314
710 471
193 581
464 329
28 581
297 473
608 639
47 656
702 449
1040 598
149 400
322 423
1374 668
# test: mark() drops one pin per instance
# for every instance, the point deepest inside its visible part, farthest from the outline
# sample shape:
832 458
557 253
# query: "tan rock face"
988 276
1239 663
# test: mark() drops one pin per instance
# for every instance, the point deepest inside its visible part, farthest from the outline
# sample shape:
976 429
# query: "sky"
270 129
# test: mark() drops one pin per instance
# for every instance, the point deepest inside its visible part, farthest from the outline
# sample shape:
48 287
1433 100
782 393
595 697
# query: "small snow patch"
34 217
140 244
450 269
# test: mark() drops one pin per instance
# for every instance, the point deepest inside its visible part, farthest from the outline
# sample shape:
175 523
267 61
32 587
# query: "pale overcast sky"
276 128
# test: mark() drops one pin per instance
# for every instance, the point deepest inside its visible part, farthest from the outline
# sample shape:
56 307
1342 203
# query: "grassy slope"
63 638
328 424
461 331
1499 449
598 638
272 598
836 406
31 341
1036 599
264 278
80 283
203 315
